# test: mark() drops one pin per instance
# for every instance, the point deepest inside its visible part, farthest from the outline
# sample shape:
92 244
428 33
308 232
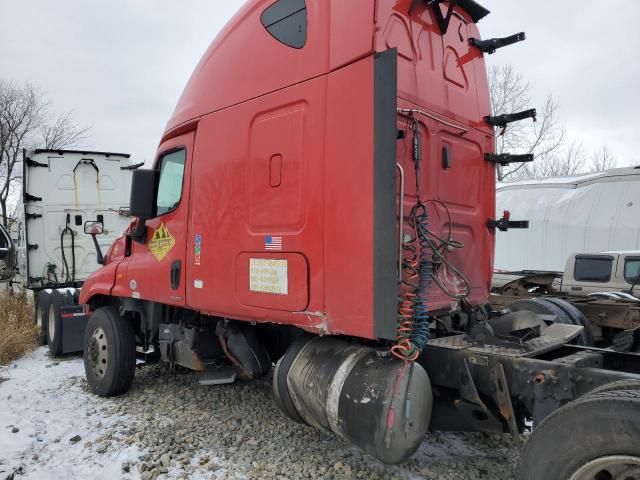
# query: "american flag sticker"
273 244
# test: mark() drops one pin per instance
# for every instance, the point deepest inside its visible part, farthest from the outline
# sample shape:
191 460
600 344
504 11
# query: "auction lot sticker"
268 276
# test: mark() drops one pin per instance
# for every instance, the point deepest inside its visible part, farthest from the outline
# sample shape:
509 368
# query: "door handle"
176 268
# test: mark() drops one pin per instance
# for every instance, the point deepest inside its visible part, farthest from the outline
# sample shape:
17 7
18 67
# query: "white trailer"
62 190
588 213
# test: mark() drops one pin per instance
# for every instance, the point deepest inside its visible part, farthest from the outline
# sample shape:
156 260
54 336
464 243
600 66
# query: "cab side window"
631 269
171 167
286 21
593 269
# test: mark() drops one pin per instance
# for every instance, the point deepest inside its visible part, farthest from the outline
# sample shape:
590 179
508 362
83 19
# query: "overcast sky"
120 65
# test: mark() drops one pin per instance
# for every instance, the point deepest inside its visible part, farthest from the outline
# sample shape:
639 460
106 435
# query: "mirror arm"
98 250
140 233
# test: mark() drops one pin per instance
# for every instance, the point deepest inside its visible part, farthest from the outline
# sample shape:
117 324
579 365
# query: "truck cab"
324 159
272 195
63 191
322 208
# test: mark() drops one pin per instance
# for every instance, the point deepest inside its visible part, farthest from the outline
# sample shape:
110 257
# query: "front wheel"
109 353
596 437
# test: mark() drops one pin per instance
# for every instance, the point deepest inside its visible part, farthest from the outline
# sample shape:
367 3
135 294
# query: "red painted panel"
99 283
459 73
276 149
122 285
325 212
334 185
148 274
285 148
352 30
441 73
348 198
245 62
236 207
468 190
445 77
275 171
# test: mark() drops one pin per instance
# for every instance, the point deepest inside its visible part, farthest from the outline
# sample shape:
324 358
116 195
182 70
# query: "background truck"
323 199
607 274
597 290
62 190
611 274
596 212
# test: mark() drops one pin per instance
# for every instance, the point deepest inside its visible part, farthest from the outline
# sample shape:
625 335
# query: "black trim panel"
385 246
477 11
83 152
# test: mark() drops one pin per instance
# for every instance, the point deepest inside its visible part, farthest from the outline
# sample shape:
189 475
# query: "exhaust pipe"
364 395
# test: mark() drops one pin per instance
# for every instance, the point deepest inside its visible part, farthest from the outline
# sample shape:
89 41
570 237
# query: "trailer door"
156 268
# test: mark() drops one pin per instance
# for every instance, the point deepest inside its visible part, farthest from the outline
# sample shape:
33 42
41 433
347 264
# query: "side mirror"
93 228
144 187
143 194
7 256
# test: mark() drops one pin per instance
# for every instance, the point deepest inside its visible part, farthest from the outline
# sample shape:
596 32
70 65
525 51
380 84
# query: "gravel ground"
169 426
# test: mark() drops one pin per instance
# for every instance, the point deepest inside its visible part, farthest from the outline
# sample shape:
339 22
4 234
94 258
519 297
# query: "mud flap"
241 345
72 326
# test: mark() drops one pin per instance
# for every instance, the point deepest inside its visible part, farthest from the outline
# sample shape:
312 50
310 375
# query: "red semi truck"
323 200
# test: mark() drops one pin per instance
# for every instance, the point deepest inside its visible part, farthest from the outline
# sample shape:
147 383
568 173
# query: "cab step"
218 376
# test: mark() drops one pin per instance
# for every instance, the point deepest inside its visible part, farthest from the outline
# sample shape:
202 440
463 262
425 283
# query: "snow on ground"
40 414
170 427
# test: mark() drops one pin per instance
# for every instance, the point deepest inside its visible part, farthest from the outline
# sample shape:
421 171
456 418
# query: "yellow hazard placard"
162 242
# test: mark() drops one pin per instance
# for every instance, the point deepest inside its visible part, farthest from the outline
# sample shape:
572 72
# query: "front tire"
595 437
109 353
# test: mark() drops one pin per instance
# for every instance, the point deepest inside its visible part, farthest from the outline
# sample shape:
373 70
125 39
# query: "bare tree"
565 161
61 133
510 93
26 122
568 160
21 112
603 159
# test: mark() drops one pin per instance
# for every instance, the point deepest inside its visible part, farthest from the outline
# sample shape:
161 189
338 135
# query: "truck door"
156 268
7 255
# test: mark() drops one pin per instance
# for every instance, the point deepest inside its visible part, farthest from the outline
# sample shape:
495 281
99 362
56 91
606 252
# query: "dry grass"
18 332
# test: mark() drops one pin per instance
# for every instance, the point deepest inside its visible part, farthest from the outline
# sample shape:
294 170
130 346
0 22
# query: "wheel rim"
39 320
98 353
615 467
52 323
